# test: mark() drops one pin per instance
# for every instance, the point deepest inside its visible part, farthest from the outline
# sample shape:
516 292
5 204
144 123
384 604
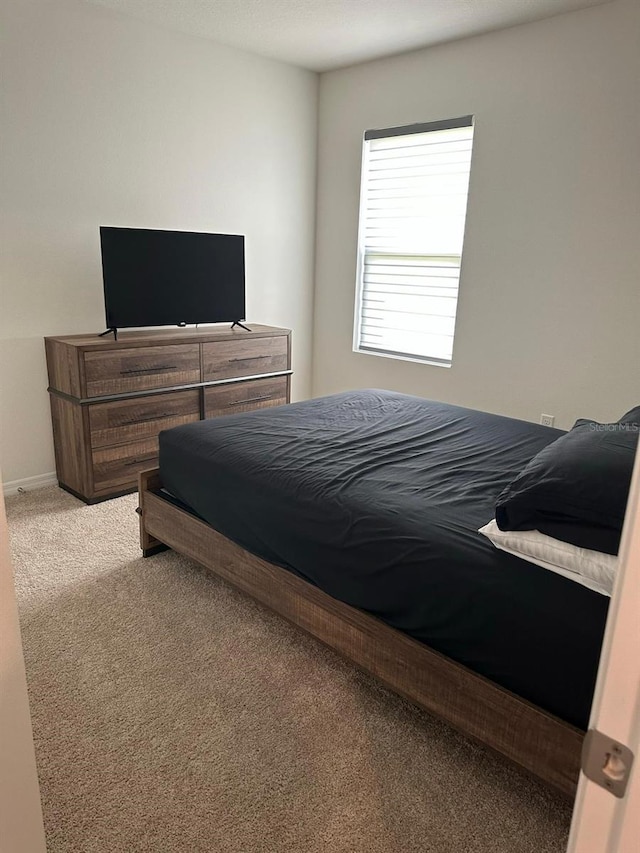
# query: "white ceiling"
326 34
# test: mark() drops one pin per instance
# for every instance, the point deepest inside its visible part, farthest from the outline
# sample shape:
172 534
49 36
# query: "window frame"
402 130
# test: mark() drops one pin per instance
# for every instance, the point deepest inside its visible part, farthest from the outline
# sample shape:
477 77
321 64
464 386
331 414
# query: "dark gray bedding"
376 497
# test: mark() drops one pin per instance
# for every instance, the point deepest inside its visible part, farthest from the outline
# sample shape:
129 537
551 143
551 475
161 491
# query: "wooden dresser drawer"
245 396
246 356
118 467
141 417
141 368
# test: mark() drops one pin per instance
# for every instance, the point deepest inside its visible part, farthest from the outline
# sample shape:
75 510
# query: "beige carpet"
170 713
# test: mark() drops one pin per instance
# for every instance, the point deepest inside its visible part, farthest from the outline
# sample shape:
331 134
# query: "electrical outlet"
547 420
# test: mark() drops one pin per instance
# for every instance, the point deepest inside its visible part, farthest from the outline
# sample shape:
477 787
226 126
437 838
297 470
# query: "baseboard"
12 487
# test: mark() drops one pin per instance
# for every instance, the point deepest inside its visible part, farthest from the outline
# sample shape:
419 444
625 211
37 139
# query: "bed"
356 517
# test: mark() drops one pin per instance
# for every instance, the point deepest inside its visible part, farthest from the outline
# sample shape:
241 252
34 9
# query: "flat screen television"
171 278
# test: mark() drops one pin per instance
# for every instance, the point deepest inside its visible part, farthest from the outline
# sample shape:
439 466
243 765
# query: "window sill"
401 357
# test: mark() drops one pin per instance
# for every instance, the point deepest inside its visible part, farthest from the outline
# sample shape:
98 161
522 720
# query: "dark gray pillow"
631 417
576 488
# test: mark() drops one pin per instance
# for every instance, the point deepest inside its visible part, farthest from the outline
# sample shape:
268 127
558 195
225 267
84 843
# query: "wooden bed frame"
537 741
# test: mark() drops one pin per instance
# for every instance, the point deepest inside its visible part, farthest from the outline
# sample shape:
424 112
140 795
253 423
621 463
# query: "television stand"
108 331
242 326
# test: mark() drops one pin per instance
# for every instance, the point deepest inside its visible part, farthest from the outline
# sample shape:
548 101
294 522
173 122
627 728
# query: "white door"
21 828
603 823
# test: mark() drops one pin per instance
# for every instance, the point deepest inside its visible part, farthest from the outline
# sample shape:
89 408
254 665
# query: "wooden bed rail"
537 741
148 482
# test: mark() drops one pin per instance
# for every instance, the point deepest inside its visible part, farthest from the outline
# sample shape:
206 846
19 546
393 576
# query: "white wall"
549 308
111 121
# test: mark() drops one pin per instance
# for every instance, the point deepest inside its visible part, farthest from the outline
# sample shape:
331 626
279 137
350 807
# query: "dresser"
110 399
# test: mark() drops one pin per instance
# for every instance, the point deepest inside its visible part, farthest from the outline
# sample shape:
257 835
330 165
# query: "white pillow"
593 569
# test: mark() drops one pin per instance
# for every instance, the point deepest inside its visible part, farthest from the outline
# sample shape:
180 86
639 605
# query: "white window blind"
415 182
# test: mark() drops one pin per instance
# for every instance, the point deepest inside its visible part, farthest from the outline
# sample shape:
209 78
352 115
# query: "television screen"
169 278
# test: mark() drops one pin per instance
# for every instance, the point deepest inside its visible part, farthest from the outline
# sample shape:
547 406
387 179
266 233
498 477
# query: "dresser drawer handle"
135 421
140 370
249 358
138 461
251 400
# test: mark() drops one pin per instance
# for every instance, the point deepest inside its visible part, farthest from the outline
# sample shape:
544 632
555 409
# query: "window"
413 202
